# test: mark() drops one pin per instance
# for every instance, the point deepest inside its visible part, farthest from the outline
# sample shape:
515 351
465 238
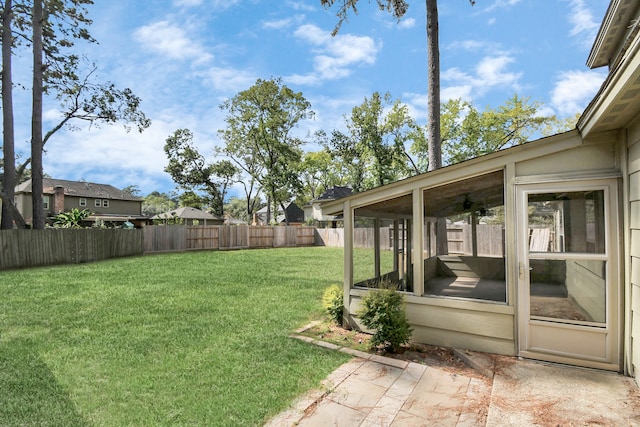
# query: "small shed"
190 216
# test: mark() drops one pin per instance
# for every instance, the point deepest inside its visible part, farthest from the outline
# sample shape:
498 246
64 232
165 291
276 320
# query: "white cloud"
407 23
170 40
301 5
502 4
455 92
112 156
583 26
278 24
477 46
214 4
188 3
283 23
581 19
334 56
492 72
574 89
229 79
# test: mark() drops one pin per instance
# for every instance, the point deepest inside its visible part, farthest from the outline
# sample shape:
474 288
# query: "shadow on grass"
29 392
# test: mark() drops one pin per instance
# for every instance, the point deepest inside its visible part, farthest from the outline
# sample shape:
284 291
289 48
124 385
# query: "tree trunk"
433 101
8 150
433 89
36 120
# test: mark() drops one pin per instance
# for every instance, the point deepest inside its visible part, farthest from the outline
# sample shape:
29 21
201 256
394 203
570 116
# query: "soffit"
612 32
618 101
480 192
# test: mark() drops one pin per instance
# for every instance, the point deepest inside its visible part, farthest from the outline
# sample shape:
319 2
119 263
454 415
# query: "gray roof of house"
79 189
185 213
335 193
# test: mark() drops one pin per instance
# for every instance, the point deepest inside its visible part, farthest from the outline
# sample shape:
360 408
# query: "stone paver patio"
372 391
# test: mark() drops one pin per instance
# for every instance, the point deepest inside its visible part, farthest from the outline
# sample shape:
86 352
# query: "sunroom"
512 253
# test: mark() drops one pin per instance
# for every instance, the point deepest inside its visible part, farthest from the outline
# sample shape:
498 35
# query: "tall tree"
260 123
62 22
398 8
318 173
378 131
433 87
8 137
36 117
156 203
347 156
189 169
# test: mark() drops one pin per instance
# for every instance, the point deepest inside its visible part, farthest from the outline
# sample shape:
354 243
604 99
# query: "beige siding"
454 323
585 158
635 327
633 157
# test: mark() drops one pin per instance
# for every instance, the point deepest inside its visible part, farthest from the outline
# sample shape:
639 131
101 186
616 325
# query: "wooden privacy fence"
159 238
31 248
362 237
490 238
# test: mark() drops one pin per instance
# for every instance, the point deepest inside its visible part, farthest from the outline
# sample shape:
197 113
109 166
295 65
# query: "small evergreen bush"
383 311
333 304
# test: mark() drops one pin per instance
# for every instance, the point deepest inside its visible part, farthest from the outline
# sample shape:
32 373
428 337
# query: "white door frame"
576 343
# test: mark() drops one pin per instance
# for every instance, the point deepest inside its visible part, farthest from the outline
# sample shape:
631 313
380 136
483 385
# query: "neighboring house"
106 203
190 216
296 215
314 208
228 220
564 284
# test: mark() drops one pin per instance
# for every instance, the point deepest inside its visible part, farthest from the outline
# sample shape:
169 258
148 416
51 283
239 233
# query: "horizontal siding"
454 339
635 243
635 327
634 158
635 272
633 166
489 330
634 187
586 157
634 220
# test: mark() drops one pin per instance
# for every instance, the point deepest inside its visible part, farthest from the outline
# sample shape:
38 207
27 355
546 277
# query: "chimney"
58 199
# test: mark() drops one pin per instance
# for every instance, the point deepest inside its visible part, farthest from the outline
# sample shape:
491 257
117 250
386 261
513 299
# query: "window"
45 202
83 202
469 262
105 203
98 203
567 256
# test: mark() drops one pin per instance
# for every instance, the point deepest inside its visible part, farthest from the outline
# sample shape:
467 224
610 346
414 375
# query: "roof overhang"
613 30
617 102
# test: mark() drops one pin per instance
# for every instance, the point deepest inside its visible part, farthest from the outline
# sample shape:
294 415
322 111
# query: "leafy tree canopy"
374 151
191 171
259 136
467 132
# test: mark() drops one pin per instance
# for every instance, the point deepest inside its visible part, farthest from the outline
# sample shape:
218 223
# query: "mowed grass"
197 338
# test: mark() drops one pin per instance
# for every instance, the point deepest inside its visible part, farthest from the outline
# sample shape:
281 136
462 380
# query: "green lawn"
193 339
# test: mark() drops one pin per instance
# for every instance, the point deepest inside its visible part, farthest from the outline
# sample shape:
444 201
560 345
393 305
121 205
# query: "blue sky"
185 57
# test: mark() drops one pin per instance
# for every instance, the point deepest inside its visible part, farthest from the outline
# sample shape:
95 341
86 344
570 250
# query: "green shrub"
383 311
333 303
